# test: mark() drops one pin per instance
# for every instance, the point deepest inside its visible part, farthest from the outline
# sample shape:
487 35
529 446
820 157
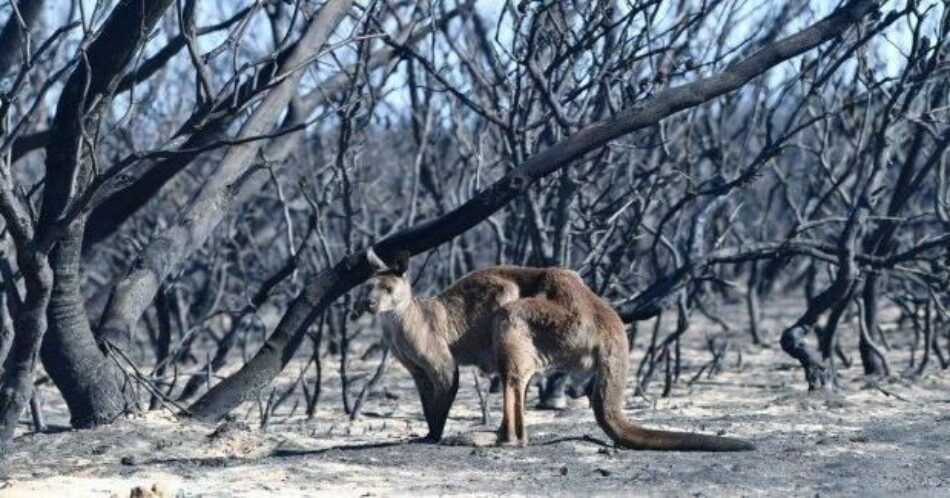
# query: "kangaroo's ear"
400 263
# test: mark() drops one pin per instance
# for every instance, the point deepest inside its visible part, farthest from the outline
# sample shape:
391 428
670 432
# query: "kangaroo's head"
389 289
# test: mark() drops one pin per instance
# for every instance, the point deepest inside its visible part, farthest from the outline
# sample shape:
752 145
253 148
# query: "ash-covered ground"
882 439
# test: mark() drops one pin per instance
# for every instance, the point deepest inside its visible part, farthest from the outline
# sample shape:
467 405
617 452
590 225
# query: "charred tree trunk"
256 374
88 380
828 335
818 374
75 363
29 327
6 323
752 303
928 339
872 358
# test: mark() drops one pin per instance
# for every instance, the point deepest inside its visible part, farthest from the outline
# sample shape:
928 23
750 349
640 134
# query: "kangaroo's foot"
427 439
503 439
513 443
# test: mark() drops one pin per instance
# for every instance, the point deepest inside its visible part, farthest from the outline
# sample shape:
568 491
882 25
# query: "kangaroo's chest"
408 346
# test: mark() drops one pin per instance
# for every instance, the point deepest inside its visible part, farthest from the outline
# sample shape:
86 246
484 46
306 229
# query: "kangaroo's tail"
607 401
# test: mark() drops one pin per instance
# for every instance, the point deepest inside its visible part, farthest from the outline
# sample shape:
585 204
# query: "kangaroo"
515 321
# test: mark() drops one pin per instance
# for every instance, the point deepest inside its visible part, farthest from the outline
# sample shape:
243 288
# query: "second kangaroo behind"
516 321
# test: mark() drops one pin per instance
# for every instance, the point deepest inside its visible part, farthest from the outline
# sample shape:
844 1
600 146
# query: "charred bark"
90 383
82 373
16 385
752 303
872 358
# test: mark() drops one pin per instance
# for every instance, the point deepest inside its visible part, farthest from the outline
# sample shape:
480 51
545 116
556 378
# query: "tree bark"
330 284
6 321
80 370
88 380
16 386
84 99
752 303
872 358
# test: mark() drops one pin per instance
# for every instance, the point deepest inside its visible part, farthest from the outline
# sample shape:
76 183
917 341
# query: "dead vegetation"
188 192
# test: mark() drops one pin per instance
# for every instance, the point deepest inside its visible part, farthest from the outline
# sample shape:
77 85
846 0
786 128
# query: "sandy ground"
883 440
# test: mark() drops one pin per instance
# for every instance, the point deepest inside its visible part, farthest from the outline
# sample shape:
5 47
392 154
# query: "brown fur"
516 321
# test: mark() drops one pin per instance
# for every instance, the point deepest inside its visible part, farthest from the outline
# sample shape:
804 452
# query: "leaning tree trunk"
88 380
326 287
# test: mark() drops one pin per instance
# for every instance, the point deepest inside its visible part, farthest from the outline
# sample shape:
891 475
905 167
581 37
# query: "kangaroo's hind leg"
529 334
517 361
512 429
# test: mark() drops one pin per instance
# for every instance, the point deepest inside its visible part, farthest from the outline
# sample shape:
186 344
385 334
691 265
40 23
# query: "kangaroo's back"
471 301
